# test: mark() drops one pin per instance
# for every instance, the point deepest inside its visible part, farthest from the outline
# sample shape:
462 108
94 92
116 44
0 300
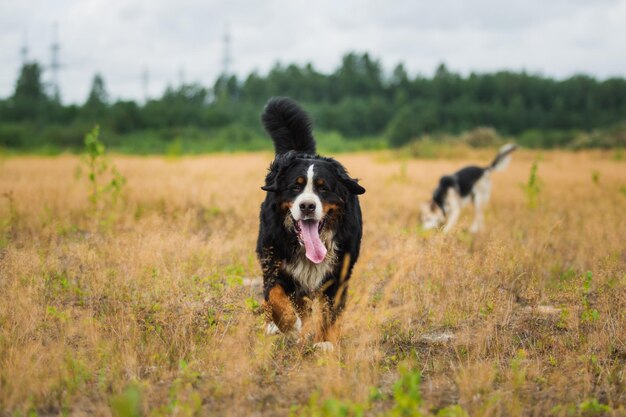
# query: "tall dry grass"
151 311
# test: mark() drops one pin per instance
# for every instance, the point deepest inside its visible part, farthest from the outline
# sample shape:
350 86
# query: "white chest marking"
308 274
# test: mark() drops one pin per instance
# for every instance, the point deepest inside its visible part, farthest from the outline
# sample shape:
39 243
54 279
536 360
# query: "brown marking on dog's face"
326 207
300 180
279 309
331 214
320 182
286 205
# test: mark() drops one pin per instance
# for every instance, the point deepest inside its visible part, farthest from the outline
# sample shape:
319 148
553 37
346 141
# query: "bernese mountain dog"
472 183
310 226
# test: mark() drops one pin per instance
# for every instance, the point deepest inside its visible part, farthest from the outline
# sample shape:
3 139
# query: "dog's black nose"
307 207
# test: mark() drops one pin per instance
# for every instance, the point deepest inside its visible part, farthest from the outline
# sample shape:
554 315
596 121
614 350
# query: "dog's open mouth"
308 232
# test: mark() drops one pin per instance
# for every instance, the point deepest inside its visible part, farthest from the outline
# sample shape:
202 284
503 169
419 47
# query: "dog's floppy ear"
276 169
271 179
350 183
269 186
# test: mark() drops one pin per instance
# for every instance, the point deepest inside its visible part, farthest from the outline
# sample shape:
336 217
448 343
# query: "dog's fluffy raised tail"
289 126
503 158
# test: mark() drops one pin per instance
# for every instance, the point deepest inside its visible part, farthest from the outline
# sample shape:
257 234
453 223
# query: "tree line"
358 100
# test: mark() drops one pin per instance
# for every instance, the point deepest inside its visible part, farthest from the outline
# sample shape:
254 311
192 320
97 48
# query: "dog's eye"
322 188
296 188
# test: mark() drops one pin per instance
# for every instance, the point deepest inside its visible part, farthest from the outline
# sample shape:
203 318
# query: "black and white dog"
456 190
310 226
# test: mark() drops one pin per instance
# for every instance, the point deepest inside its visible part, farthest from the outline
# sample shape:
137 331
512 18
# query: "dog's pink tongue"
315 249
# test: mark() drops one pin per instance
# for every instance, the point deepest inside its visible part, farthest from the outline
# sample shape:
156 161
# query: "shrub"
482 137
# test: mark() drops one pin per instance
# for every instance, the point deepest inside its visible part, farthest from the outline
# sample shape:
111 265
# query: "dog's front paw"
298 326
324 347
272 329
474 228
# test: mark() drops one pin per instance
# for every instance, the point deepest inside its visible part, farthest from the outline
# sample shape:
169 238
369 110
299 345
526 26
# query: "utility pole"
55 65
145 85
181 76
227 58
24 49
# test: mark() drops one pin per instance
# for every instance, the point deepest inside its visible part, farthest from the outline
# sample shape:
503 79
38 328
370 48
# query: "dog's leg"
280 311
455 212
481 197
453 207
325 335
332 303
477 224
303 307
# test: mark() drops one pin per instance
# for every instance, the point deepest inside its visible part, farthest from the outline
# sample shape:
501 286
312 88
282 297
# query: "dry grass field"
149 307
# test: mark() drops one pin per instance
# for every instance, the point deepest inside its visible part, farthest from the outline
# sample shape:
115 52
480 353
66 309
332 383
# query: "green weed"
406 394
595 177
127 403
588 315
252 304
592 407
406 402
183 399
533 187
588 408
106 183
7 223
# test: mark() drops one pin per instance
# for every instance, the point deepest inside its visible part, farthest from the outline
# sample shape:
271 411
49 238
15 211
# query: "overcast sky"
184 38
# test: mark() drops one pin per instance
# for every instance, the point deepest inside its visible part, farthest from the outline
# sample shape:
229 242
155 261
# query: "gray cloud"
121 38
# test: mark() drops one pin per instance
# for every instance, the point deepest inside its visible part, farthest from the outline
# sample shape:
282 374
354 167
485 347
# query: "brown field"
146 308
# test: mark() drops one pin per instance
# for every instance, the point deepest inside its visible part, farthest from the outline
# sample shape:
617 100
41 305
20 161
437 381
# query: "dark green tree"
29 101
358 99
96 106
